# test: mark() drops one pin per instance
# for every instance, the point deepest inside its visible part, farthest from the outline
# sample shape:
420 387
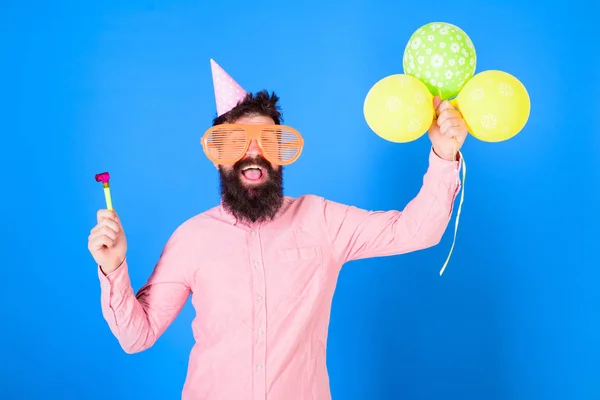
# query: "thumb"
436 103
116 217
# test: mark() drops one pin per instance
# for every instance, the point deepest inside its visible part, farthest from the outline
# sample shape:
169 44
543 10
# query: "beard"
257 203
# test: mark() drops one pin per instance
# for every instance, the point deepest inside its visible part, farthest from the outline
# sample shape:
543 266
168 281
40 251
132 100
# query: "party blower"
104 177
440 60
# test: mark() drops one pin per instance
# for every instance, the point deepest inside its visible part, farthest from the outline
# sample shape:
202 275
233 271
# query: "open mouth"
253 173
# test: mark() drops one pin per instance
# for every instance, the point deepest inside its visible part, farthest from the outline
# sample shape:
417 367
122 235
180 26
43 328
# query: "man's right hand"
107 242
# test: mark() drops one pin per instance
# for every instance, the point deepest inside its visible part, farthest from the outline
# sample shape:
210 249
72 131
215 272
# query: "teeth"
251 166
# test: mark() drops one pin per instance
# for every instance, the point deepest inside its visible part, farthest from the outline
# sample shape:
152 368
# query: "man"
262 267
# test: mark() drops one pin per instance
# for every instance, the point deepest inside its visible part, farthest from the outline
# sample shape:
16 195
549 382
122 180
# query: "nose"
253 149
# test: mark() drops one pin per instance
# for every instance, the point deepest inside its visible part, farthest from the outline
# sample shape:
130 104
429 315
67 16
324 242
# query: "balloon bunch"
440 60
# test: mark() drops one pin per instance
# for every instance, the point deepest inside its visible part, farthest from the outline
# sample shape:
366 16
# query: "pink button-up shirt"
262 292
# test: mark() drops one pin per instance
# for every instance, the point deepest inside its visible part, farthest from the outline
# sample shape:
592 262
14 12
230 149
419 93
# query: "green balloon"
442 56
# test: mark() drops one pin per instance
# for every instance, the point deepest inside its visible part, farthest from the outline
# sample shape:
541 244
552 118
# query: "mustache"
258 160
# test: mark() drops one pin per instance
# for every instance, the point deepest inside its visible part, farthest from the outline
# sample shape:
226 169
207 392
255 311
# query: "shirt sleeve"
356 233
137 321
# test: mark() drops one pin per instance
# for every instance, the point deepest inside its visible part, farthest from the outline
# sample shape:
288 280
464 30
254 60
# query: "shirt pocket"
301 272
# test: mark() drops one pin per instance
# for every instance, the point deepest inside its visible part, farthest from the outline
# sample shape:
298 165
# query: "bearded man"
262 266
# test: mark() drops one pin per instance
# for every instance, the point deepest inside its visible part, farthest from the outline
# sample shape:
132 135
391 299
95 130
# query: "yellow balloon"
399 108
495 105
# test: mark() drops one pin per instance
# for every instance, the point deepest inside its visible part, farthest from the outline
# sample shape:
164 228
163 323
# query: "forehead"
255 119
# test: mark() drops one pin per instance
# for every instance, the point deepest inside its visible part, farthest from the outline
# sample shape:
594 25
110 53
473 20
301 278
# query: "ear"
216 166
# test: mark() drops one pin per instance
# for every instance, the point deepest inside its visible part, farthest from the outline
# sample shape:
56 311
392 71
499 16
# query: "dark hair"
260 103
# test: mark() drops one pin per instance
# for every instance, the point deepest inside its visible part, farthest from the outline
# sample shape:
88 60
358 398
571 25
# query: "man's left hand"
448 130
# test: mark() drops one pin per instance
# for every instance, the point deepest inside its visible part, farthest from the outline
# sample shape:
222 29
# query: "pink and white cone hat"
228 93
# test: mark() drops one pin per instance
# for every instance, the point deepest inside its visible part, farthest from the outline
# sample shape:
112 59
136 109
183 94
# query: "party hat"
228 93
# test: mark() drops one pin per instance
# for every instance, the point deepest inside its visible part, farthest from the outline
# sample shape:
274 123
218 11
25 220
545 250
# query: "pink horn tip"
103 177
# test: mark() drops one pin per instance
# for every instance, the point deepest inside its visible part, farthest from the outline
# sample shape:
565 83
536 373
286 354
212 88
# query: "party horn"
104 177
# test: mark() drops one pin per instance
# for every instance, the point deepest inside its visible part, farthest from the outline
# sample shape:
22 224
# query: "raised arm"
356 233
137 321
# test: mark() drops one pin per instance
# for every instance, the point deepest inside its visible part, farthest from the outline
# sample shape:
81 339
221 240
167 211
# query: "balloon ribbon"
462 197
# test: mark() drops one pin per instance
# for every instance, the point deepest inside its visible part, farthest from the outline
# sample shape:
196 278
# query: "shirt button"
256 263
260 331
259 367
258 297
253 233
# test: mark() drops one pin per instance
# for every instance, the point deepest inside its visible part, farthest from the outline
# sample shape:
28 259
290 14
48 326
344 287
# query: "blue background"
126 87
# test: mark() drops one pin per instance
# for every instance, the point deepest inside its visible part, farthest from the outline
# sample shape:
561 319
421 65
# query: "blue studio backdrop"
125 86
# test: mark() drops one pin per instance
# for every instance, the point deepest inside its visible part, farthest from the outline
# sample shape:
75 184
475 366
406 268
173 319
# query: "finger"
436 102
450 123
115 226
458 133
100 241
447 114
104 231
443 106
108 214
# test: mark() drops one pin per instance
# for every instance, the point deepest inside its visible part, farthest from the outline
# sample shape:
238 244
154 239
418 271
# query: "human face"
252 188
252 175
